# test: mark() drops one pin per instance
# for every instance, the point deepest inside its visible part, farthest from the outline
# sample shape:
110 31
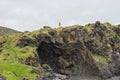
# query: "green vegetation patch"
15 71
99 58
10 65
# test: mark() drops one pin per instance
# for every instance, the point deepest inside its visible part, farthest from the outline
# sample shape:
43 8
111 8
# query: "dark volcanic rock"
70 50
25 41
67 58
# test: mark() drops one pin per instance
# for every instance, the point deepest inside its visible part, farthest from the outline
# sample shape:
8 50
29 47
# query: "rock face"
56 76
2 77
91 50
69 58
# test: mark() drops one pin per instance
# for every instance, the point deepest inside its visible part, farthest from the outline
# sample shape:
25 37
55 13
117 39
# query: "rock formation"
90 51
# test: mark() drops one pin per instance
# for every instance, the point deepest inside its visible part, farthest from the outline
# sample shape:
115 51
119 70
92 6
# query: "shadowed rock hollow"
71 58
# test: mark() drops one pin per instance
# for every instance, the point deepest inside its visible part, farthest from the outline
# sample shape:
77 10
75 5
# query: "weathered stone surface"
2 77
69 50
25 41
68 58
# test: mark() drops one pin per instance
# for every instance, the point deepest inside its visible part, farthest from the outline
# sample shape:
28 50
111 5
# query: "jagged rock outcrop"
71 58
90 50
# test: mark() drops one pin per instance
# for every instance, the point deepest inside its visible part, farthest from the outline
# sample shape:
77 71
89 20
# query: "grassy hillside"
12 60
7 31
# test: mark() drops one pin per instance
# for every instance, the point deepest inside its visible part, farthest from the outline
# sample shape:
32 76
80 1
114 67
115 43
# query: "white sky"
33 14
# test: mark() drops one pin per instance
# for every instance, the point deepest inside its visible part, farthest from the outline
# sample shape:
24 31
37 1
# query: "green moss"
88 28
10 66
9 47
99 58
67 28
118 37
15 71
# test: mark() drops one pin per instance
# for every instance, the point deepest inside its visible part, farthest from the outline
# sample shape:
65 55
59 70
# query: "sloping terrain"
7 31
92 50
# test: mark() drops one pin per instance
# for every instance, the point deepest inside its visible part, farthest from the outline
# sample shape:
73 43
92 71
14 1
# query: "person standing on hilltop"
59 24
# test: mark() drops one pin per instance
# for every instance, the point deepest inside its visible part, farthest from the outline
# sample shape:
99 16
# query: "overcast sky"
33 14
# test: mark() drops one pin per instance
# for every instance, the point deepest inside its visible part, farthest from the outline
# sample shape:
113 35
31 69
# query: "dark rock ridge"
90 50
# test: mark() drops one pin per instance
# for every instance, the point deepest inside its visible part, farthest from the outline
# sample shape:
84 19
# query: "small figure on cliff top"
59 24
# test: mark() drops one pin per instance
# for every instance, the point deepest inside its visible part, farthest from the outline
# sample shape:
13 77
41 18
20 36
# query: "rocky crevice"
67 59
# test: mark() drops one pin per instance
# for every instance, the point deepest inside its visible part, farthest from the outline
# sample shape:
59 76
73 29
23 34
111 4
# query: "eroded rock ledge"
91 50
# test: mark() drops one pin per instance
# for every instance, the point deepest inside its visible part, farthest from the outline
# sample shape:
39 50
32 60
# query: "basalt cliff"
90 52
